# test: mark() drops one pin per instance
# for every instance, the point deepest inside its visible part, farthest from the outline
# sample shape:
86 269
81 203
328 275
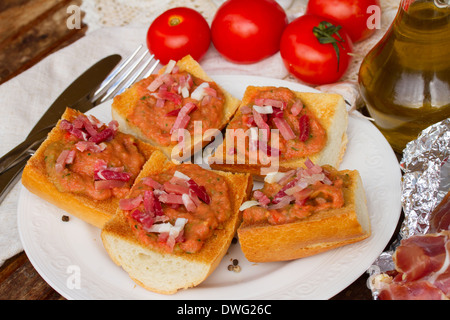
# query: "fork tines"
140 64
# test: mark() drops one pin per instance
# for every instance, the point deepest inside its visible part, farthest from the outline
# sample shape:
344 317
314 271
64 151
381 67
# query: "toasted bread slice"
321 231
125 103
329 110
167 272
36 179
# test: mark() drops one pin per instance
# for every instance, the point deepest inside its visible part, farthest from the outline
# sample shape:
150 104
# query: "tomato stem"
173 21
324 33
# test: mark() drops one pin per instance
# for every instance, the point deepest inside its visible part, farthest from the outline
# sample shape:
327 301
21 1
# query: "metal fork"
140 64
137 66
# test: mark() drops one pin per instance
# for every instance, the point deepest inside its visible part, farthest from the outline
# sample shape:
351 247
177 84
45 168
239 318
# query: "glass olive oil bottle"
405 78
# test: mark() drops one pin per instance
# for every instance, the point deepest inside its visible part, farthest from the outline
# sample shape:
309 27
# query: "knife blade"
15 160
76 91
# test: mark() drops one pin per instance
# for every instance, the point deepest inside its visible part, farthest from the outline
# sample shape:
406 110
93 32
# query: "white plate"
71 258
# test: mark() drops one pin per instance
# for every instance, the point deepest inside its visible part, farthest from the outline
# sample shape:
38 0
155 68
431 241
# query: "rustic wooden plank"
7 4
35 40
19 17
20 281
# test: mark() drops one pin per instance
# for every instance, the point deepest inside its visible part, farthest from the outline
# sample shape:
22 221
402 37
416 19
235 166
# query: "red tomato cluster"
315 47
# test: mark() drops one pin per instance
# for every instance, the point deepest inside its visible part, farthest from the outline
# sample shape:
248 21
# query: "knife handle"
26 148
9 177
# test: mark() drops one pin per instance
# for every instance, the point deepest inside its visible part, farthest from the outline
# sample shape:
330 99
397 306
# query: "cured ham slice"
440 217
66 157
263 200
284 128
417 290
423 266
420 255
89 129
271 102
304 128
183 117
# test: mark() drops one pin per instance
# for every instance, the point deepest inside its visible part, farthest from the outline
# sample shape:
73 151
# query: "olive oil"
405 78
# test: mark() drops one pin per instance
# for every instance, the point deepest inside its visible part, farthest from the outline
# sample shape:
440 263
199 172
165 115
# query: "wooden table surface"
29 31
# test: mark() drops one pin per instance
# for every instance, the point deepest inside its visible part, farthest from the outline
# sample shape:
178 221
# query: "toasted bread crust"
322 231
117 230
35 179
329 110
123 102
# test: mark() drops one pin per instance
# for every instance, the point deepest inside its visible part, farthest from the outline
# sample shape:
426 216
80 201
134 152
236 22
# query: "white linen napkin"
26 97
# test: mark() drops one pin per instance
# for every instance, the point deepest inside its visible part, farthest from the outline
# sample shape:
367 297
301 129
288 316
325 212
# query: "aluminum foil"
426 177
425 182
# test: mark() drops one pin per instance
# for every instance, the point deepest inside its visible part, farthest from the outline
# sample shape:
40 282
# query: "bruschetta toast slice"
178 111
177 223
303 212
276 127
85 166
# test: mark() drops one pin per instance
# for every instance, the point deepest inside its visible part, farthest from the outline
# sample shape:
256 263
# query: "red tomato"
248 31
352 15
177 33
310 60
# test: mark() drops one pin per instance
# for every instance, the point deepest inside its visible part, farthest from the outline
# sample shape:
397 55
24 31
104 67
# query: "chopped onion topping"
283 202
188 202
274 177
181 175
168 227
297 107
184 92
169 67
248 204
253 139
263 109
199 92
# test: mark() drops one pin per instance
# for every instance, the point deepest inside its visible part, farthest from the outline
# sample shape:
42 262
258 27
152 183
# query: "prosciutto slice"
440 217
89 129
419 256
271 102
284 128
423 266
65 157
183 117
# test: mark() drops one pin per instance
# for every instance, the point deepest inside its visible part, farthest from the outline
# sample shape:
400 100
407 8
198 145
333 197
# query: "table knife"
12 163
